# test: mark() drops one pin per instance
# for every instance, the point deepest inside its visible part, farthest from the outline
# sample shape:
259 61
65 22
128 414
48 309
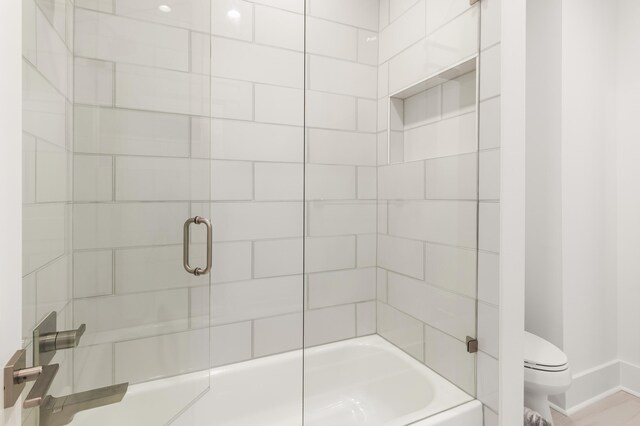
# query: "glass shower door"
116 159
141 170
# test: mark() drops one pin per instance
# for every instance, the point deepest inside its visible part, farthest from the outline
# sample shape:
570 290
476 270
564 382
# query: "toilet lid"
542 355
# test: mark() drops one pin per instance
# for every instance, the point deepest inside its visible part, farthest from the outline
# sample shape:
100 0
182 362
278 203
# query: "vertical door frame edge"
512 212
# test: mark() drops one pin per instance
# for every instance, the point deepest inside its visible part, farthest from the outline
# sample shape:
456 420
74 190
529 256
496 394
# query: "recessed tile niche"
435 117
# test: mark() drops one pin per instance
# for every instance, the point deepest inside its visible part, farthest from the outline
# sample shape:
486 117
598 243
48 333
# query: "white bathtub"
363 381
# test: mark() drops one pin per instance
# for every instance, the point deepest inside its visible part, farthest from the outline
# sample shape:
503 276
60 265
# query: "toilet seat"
547 368
542 355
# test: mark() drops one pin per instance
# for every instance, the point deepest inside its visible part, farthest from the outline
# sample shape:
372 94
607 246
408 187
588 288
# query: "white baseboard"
629 391
574 409
630 378
597 383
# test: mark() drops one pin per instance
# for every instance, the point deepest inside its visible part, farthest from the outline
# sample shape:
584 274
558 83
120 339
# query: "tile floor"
620 409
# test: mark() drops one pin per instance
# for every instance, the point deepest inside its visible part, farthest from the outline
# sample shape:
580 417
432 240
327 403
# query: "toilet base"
539 403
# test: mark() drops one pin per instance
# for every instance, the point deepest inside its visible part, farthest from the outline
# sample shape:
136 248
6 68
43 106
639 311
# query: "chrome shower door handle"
187 240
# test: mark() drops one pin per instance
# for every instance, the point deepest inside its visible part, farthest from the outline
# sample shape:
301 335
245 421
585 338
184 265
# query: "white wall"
594 316
588 209
587 93
543 311
512 213
10 194
628 184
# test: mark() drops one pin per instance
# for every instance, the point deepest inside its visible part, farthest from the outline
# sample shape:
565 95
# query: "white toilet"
546 372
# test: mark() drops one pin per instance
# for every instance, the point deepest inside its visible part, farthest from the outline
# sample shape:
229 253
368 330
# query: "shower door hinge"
472 345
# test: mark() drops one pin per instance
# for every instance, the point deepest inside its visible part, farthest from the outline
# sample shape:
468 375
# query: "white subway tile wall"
119 136
340 175
142 168
47 173
439 189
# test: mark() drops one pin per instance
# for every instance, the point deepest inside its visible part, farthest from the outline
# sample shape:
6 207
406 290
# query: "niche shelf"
432 118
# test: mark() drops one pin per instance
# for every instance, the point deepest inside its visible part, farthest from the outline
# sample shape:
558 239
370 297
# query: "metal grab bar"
187 241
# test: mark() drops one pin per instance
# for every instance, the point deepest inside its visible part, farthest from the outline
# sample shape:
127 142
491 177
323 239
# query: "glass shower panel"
141 168
391 199
341 210
340 172
427 248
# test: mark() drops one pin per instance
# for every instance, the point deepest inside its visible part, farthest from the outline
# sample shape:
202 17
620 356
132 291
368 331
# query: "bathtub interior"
364 381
